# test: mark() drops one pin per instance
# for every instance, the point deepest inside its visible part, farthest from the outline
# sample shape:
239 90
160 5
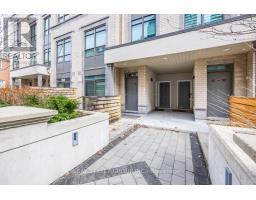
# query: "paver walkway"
147 156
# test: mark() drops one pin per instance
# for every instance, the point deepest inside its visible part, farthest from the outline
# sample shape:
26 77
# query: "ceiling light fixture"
165 58
226 49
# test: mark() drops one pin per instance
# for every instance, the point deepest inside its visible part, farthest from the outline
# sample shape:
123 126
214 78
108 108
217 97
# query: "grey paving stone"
138 156
180 156
156 162
179 169
190 179
115 180
102 182
189 165
91 183
128 179
165 182
137 174
141 181
176 180
168 159
165 175
111 162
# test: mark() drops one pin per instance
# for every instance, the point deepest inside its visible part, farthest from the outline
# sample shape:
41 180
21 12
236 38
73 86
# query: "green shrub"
65 107
3 103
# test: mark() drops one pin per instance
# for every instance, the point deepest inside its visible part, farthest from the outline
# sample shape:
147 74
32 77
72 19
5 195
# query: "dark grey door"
164 94
184 94
219 88
131 92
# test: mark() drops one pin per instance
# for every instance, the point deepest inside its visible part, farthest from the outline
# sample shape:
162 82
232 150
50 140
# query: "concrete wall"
40 153
251 74
200 80
174 84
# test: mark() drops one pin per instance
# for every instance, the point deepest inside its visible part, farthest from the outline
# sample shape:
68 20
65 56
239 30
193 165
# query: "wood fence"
243 111
107 104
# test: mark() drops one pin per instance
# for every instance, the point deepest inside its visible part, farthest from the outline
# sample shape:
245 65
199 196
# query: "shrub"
65 106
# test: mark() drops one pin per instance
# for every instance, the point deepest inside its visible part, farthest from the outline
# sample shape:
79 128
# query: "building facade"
164 61
4 73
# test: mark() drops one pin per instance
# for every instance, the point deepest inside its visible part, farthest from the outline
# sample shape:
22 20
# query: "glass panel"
150 17
137 21
89 42
60 59
137 32
149 29
60 50
192 20
67 58
100 38
212 18
100 50
89 88
67 48
100 88
89 52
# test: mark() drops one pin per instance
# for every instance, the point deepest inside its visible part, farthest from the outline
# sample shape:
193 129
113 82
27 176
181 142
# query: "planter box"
35 152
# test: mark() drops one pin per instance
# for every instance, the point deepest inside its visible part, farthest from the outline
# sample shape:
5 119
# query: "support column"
19 82
109 80
200 89
39 80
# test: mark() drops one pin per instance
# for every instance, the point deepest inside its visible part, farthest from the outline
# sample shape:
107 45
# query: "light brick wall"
200 79
251 68
169 23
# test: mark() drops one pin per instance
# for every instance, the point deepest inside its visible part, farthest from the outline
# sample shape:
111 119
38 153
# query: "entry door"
131 92
219 88
184 94
164 94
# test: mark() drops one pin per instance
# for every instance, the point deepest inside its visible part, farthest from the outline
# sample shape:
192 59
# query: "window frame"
62 18
66 81
94 32
202 20
15 62
64 42
97 78
143 21
47 48
33 36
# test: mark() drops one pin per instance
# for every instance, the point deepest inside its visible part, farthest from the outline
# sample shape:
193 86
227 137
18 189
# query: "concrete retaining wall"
40 153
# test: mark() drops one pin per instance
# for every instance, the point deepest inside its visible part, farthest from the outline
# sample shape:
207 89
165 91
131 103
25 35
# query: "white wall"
41 153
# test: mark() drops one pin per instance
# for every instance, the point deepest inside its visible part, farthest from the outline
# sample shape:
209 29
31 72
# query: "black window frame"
143 21
202 20
64 42
47 47
62 17
97 78
15 62
94 31
65 81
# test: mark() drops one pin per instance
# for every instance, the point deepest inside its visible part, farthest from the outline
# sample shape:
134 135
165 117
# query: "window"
95 85
33 33
2 83
33 59
63 82
95 41
62 18
144 27
47 39
15 62
17 34
192 20
47 57
64 50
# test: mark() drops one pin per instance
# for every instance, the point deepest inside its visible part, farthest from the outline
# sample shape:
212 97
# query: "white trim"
178 81
158 93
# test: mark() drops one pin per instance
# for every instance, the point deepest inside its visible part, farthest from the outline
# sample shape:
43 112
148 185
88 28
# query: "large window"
95 41
15 63
63 82
64 50
144 27
47 39
33 33
62 18
95 85
17 34
192 20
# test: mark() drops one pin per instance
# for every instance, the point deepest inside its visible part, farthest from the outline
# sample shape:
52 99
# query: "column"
109 80
39 80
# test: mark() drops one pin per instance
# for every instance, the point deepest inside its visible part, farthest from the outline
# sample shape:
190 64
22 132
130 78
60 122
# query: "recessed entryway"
184 94
164 94
131 92
219 88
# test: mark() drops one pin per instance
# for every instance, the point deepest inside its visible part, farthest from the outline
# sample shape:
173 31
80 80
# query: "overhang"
30 70
178 42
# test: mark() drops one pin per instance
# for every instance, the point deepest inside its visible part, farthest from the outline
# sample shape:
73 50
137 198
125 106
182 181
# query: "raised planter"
35 152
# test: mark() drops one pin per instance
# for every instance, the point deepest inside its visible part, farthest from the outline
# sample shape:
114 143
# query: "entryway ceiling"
184 62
